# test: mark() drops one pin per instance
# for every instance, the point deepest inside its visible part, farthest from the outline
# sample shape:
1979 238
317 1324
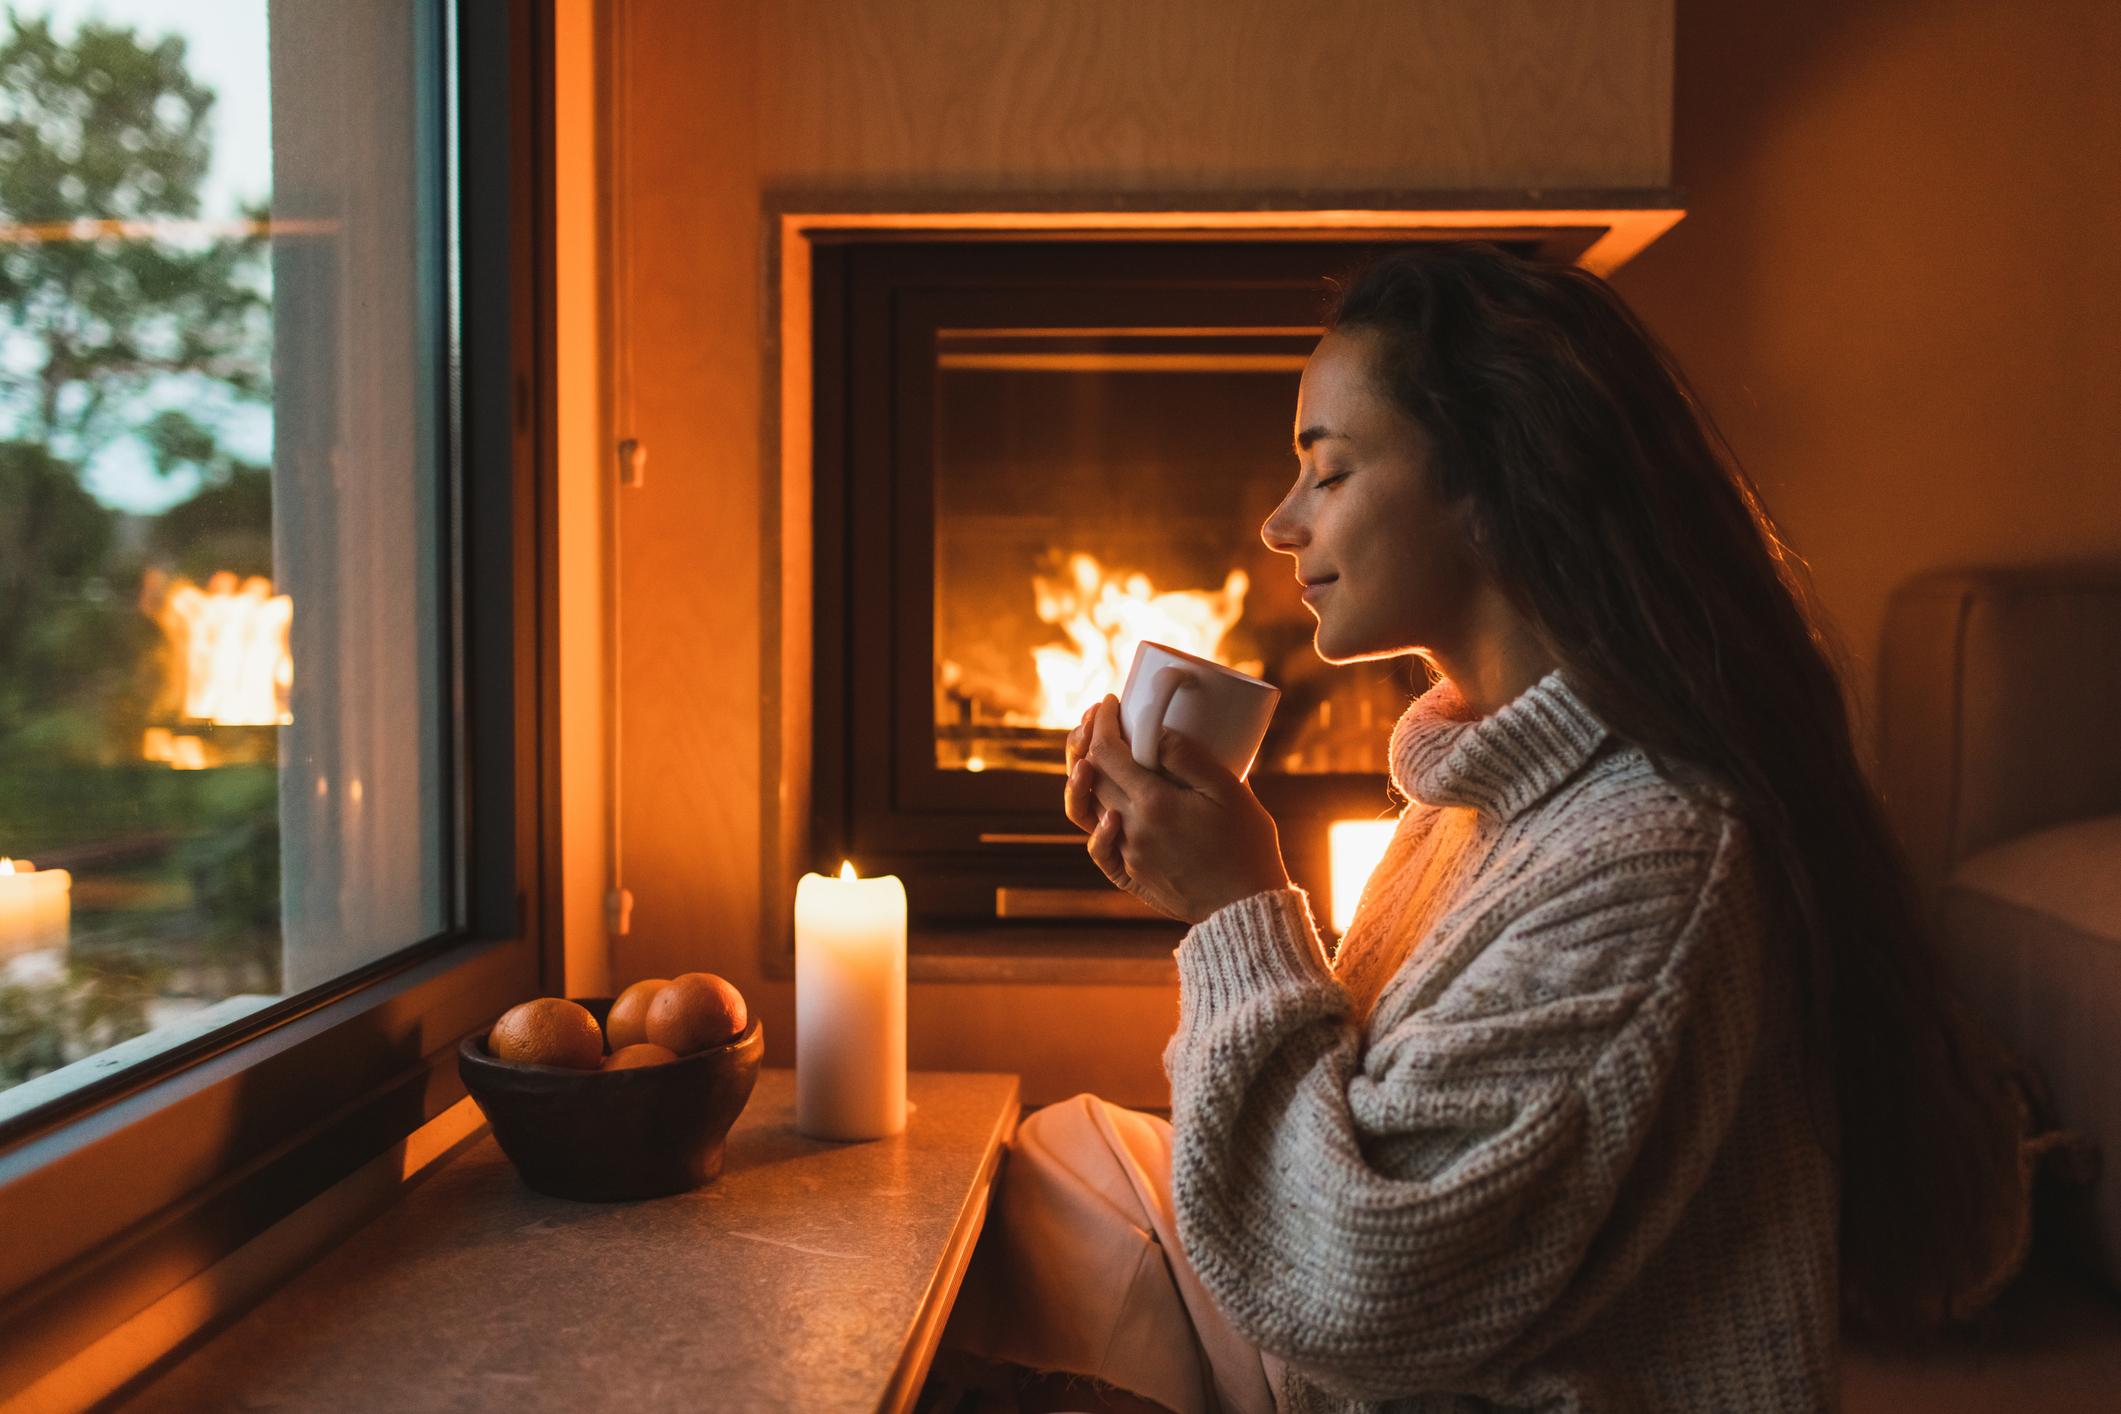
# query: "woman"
1632 1073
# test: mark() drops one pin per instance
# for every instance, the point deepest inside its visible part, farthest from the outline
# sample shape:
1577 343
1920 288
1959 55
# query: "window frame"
116 1194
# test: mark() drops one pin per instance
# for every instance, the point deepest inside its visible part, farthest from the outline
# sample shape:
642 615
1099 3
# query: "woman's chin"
1341 649
1331 649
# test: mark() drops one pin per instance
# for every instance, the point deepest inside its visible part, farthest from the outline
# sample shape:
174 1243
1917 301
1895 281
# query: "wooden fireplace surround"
1599 230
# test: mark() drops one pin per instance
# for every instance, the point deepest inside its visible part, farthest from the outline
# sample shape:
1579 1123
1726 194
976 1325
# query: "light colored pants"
1079 1268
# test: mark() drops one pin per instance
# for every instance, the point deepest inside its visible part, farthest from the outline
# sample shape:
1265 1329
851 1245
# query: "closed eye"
1333 480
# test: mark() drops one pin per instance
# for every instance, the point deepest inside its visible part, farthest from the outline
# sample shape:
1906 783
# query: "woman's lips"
1317 588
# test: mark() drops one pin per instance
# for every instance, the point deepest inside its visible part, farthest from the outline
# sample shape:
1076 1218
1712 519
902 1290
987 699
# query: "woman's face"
1386 562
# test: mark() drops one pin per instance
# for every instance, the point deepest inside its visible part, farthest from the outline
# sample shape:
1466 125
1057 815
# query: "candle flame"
847 869
7 866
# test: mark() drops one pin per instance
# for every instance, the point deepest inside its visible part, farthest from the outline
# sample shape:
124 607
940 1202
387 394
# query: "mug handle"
1162 688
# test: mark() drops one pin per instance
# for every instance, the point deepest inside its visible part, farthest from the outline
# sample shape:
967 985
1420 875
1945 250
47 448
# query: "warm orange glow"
182 750
847 869
1620 232
229 658
1106 615
158 229
1357 847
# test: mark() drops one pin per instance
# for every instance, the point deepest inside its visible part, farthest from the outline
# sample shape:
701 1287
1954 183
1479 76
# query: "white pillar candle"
35 907
850 1006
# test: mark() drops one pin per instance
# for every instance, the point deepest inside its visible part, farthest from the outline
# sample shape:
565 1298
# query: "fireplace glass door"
1096 489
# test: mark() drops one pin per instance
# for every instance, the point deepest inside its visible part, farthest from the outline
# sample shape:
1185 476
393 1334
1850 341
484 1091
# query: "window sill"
21 1099
144 1192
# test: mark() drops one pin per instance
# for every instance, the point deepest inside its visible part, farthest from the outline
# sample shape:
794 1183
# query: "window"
222 428
274 522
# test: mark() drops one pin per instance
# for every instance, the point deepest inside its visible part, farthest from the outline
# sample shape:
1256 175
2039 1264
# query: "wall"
1104 95
1895 286
714 104
584 494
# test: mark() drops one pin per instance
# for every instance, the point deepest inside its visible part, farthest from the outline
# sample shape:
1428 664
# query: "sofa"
2000 766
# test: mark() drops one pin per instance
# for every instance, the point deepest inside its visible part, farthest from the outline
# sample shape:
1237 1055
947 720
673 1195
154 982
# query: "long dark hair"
1612 513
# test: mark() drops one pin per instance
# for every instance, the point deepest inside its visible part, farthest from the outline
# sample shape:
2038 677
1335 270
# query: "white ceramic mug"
1224 710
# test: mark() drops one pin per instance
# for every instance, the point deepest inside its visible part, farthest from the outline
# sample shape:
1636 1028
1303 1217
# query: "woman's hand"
1185 846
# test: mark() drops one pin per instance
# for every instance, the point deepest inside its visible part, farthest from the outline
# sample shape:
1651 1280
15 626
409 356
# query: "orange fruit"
627 1022
634 1057
697 1010
548 1031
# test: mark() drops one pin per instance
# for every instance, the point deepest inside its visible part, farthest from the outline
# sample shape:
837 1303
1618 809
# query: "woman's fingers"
1115 763
1079 795
1079 740
1194 766
1079 800
1105 850
1105 760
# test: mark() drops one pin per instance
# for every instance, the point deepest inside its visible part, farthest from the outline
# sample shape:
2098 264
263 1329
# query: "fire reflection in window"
226 664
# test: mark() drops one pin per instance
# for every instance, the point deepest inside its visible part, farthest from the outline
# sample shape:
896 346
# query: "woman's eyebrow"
1305 438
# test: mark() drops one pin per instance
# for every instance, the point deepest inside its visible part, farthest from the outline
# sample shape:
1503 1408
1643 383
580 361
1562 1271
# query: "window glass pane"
223 446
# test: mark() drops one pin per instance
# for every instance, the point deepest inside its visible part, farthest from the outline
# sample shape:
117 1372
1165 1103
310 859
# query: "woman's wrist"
1238 890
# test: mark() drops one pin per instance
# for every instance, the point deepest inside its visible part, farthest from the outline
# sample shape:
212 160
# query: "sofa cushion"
1997 708
2071 872
2031 931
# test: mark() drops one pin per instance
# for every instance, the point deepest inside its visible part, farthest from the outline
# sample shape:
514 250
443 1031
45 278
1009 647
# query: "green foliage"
232 859
96 131
46 1023
112 128
226 526
122 317
202 850
60 616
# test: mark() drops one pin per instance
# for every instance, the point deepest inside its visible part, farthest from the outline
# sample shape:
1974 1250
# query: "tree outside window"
135 333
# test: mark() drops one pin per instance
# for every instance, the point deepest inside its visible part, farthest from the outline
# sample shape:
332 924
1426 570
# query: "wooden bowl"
608 1135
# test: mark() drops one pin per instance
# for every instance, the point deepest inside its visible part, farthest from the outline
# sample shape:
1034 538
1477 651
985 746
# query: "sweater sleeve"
1443 1202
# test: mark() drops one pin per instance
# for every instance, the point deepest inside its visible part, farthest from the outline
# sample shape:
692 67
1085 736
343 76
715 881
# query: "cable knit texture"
1534 1138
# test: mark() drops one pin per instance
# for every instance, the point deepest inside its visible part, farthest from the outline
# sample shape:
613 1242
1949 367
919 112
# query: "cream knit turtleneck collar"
1498 764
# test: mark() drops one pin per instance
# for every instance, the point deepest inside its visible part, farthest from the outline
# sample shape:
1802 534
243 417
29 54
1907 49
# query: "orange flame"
229 657
1105 615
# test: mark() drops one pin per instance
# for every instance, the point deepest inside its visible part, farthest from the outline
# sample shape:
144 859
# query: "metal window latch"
633 463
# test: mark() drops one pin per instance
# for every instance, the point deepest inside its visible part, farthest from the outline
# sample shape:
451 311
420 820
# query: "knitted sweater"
1535 1138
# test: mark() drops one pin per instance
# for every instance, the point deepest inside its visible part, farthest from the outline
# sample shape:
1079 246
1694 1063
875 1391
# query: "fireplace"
1030 453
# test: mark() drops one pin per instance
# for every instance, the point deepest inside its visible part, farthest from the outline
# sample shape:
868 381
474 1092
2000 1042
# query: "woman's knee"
1061 1114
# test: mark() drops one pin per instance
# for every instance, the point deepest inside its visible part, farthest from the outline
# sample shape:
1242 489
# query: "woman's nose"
1282 532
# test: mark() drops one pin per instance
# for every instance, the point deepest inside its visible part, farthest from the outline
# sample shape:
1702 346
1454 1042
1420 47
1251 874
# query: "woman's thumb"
1193 764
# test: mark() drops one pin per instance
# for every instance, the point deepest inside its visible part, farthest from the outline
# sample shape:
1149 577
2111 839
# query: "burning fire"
229 659
1105 615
